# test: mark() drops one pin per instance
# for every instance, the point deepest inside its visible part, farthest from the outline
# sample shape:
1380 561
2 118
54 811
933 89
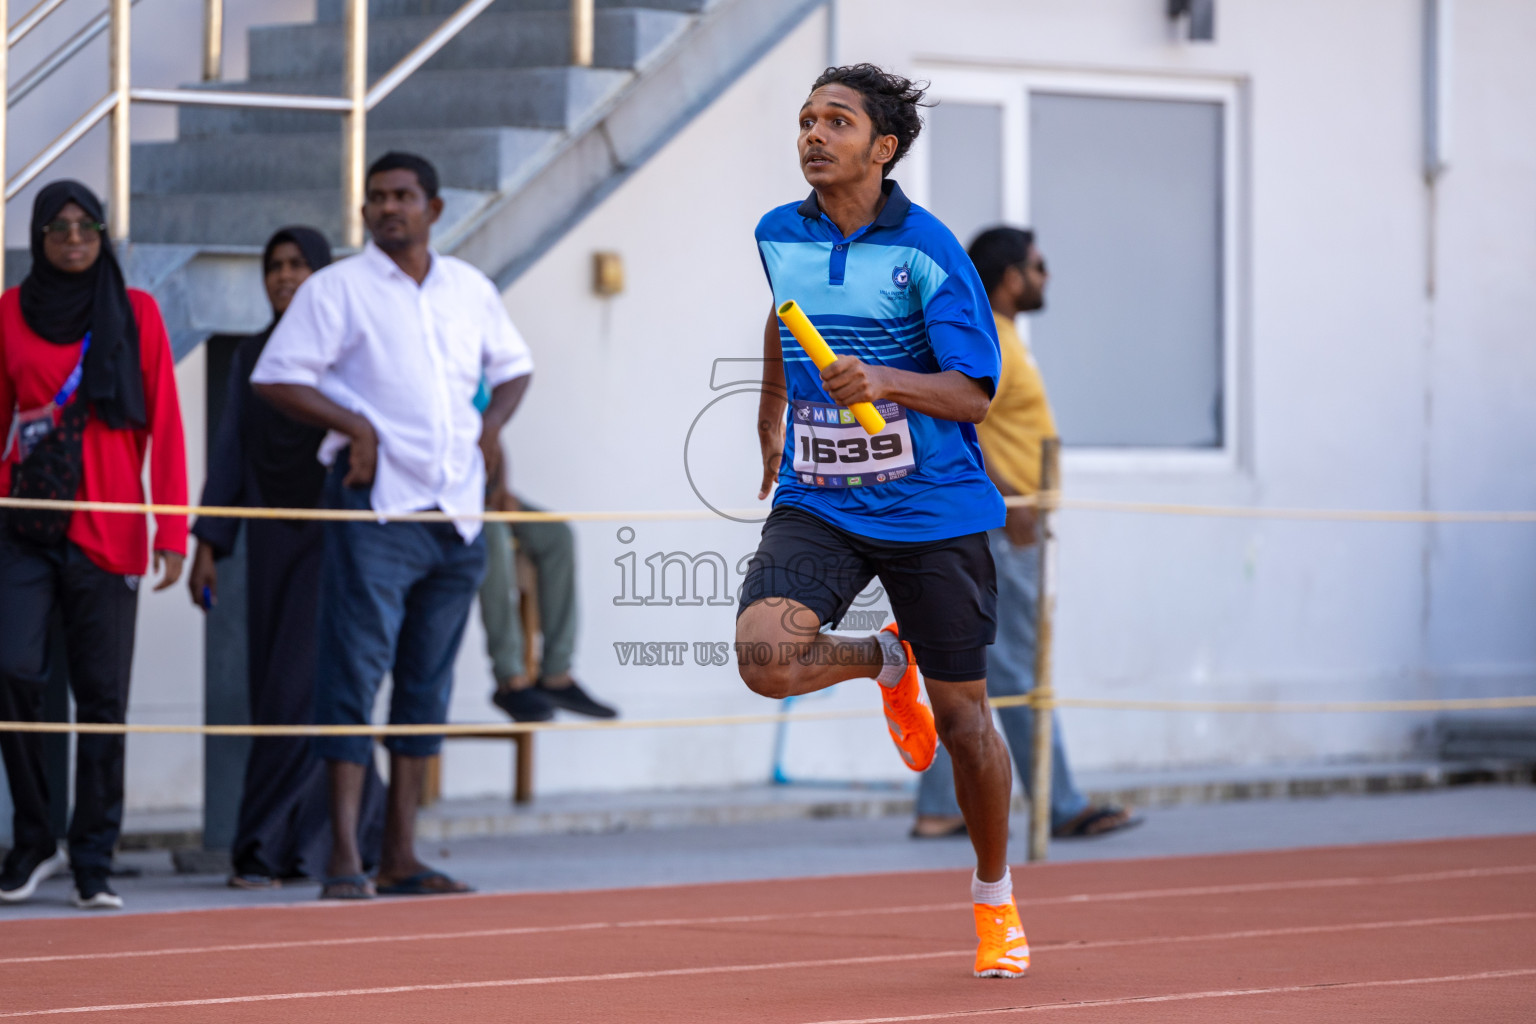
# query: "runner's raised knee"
768 680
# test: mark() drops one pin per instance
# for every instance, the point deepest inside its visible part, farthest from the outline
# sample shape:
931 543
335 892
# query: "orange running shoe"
1002 951
908 718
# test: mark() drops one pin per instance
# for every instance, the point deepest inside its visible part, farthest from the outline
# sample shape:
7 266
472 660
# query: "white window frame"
1011 88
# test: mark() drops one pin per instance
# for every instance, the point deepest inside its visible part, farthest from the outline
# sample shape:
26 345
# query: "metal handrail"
231 98
353 106
58 58
90 119
425 51
31 20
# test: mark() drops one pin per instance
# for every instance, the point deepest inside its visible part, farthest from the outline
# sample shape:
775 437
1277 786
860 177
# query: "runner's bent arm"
948 395
770 405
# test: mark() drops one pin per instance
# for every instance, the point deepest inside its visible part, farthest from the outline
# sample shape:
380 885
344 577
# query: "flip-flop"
347 887
953 832
1097 821
419 884
253 881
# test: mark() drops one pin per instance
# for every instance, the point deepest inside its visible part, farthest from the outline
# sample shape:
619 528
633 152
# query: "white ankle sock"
895 659
994 894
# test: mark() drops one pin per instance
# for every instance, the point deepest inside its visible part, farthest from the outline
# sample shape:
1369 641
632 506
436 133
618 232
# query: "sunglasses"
61 228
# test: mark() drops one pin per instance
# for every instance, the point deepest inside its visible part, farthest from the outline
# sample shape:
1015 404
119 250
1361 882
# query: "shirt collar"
380 262
891 215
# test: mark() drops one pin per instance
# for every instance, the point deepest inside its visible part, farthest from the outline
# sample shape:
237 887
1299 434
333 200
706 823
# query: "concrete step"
586 813
234 219
1510 734
485 159
552 97
381 10
624 38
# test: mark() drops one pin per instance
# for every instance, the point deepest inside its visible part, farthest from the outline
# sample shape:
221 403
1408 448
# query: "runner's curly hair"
890 101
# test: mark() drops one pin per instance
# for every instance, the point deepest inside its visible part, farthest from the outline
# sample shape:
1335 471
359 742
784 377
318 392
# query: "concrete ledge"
591 813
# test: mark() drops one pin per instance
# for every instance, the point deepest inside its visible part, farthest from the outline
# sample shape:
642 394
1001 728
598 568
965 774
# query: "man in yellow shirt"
1018 421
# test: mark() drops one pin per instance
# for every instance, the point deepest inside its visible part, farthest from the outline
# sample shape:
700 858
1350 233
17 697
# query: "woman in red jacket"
87 386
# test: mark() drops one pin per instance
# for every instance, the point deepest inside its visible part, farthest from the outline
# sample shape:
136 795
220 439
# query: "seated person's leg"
500 614
499 606
551 547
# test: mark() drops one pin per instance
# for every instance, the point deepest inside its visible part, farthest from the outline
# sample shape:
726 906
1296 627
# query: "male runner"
899 301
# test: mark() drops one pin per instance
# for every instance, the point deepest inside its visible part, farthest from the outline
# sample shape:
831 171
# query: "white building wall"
1358 389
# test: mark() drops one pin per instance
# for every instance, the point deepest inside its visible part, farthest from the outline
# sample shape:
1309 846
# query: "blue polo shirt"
897 292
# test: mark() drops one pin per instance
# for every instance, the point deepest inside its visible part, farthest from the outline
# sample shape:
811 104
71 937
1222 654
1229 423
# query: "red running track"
1442 931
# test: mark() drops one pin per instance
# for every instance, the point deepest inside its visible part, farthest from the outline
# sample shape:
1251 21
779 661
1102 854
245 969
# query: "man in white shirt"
386 349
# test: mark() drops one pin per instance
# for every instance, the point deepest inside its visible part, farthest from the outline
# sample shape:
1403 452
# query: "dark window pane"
1126 197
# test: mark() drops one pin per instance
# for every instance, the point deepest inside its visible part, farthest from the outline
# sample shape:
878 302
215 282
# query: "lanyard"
72 382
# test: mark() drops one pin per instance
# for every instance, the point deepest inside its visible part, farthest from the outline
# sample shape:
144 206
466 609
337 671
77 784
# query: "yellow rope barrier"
1295 514
1050 500
496 730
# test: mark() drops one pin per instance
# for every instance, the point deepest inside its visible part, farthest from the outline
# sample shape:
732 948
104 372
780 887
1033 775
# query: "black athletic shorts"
944 592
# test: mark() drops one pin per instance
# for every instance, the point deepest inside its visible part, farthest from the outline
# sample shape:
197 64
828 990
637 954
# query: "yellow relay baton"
821 354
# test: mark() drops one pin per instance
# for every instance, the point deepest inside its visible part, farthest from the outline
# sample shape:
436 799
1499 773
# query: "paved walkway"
804 847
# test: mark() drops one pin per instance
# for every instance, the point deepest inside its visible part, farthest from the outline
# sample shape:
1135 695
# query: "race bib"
832 450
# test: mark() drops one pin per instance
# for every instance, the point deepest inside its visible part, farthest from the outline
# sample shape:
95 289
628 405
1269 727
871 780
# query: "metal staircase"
526 143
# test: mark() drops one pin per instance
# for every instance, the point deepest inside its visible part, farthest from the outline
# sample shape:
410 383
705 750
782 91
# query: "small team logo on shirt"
901 276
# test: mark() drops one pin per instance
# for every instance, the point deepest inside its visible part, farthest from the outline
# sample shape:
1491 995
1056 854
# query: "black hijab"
316 250
282 452
60 307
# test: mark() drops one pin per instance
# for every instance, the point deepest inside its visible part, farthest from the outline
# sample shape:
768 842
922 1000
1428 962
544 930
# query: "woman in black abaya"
261 458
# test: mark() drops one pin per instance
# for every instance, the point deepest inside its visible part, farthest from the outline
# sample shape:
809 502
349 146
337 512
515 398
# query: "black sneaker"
572 697
529 704
24 871
93 892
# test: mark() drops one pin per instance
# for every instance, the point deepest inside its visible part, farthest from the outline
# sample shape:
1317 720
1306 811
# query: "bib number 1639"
831 450
824 451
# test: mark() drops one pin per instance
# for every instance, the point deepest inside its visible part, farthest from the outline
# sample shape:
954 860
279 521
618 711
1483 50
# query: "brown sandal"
1097 821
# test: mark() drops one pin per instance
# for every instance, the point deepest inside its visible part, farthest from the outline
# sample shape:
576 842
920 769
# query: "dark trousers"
394 598
284 824
98 609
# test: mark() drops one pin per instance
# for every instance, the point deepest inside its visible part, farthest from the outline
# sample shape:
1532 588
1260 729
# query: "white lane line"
683 922
465 986
489 933
1272 933
799 964
1185 997
1302 883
